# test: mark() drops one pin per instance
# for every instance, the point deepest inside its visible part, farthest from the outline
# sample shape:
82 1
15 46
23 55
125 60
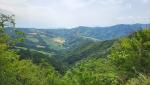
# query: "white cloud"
70 13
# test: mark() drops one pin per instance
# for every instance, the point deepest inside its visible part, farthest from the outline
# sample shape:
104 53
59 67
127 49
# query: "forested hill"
127 63
61 39
64 47
113 55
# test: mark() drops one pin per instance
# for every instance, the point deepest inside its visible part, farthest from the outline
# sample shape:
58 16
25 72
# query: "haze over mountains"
57 39
74 42
67 46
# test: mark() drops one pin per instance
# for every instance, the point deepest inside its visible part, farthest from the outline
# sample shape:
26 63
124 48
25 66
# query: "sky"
73 13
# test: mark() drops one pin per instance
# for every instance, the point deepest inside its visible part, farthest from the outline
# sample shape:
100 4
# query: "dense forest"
120 61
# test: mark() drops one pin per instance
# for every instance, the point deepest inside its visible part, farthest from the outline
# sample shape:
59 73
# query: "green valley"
115 55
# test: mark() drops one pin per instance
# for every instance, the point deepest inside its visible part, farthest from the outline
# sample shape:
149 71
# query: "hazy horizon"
81 26
74 13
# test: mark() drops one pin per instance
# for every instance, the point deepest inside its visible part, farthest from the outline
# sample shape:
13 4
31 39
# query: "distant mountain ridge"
63 48
57 39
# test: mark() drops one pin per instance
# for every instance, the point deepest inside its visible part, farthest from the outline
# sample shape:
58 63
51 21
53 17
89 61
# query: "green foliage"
140 80
132 55
97 49
9 21
128 57
16 72
22 72
38 57
92 72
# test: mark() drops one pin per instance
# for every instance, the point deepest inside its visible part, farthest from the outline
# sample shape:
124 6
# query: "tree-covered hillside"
62 39
88 61
97 49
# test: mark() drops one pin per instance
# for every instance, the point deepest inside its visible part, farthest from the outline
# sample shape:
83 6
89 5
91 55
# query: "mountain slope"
68 46
97 49
65 39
